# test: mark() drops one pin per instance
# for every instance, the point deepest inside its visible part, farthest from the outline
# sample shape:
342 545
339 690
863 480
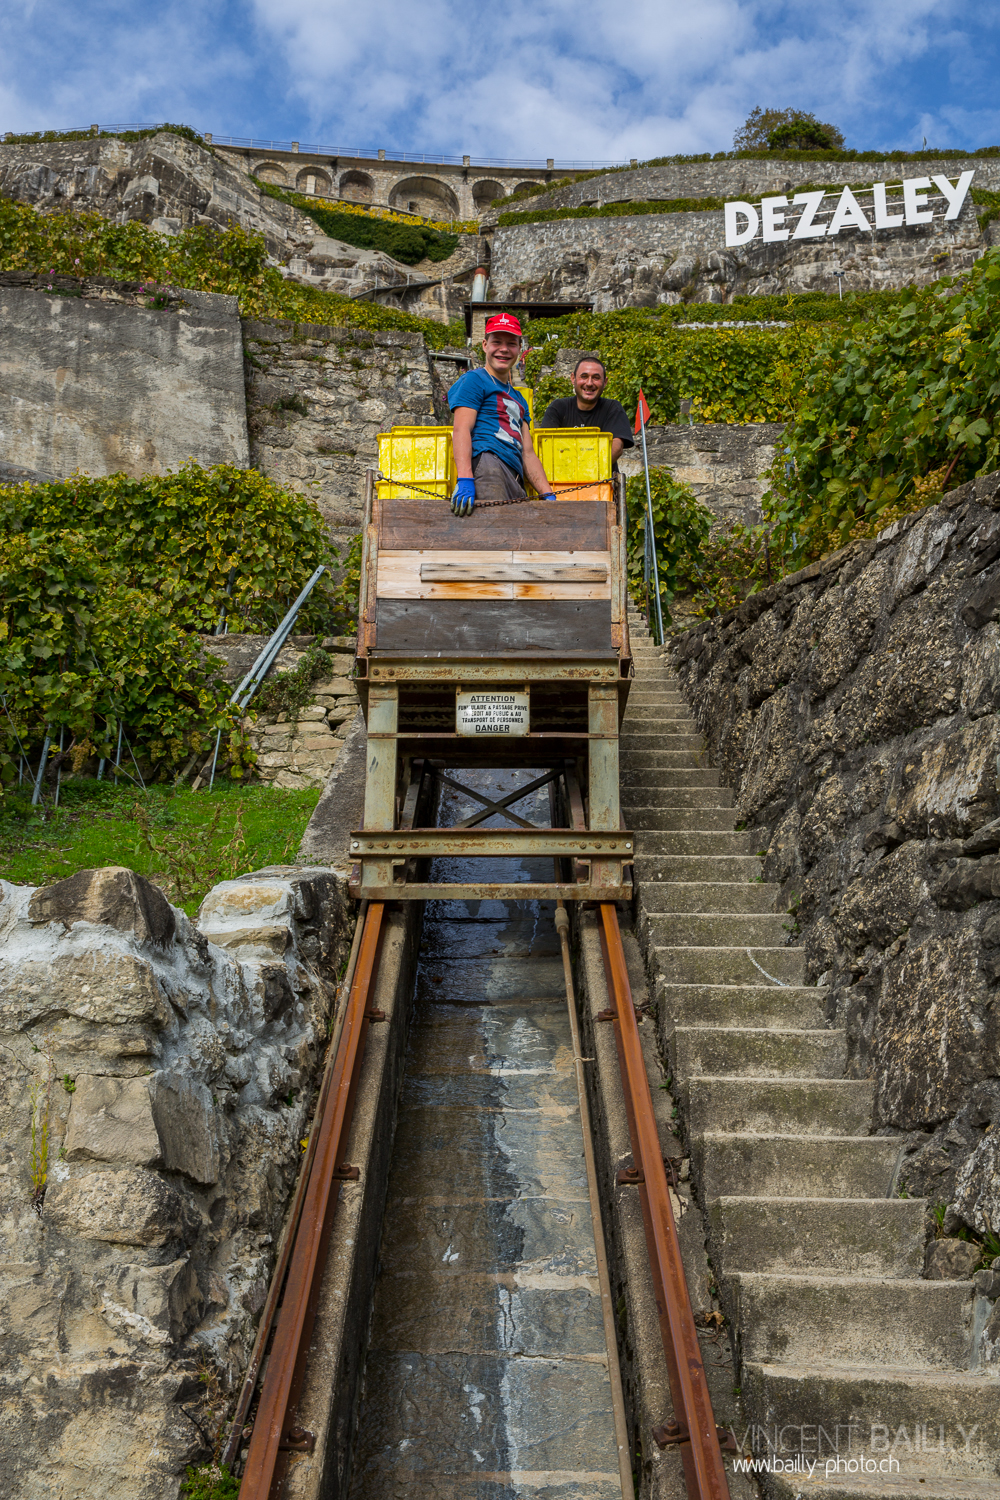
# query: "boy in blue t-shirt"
491 436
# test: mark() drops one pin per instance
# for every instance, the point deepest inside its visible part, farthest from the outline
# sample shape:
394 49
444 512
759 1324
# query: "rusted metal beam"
433 843
504 891
695 1429
274 1427
493 669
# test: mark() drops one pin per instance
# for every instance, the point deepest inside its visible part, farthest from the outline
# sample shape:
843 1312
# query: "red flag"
643 408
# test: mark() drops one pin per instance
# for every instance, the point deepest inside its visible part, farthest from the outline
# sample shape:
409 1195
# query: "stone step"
686 965
879 1403
780 1106
863 1237
698 843
640 716
717 1051
795 1166
670 776
658 872
725 929
651 797
635 761
633 745
708 896
675 819
657 694
853 1320
738 1005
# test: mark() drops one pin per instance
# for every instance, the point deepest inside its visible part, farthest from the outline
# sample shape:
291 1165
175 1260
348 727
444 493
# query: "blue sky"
578 81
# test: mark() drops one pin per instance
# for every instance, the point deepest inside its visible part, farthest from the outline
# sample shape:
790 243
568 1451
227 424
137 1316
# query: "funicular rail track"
555 642
288 1317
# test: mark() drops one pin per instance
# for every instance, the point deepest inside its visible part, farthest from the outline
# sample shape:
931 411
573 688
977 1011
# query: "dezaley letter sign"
847 215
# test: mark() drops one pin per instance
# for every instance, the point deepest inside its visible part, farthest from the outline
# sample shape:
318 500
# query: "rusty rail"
693 1430
274 1433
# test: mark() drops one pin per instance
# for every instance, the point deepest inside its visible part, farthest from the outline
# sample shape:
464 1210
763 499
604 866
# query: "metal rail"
693 1429
275 1434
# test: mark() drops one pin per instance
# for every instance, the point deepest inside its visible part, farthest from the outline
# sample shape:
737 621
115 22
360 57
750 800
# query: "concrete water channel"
487 1369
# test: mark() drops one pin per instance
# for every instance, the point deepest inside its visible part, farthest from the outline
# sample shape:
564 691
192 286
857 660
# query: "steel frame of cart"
525 601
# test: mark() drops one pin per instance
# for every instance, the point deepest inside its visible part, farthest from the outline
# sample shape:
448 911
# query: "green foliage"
233 827
210 1482
786 130
728 374
232 261
38 137
288 692
408 243
889 415
680 526
103 583
989 202
612 210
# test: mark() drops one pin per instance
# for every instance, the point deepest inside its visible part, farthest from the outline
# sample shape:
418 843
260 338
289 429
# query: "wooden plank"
557 590
411 525
453 627
512 573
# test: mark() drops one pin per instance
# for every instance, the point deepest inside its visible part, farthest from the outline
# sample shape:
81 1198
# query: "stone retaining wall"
646 259
854 710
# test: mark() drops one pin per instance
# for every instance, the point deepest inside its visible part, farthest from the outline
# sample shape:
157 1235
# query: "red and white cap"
503 323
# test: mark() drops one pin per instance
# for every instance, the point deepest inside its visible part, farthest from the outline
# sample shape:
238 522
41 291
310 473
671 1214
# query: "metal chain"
486 504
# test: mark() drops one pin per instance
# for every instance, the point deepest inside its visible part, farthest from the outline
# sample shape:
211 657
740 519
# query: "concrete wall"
98 381
646 259
318 397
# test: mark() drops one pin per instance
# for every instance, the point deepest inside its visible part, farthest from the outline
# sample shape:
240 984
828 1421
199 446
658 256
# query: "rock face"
853 708
158 1080
170 183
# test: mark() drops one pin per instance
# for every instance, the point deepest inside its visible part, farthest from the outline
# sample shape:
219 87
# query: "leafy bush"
233 261
784 130
890 415
103 583
405 241
681 525
37 137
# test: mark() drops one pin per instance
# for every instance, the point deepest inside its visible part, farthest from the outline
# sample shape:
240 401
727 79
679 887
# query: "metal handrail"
694 1430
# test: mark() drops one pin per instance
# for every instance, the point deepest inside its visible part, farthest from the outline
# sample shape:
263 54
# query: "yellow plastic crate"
574 455
416 456
528 392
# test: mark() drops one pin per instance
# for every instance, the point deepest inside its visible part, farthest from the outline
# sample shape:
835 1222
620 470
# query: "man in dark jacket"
589 408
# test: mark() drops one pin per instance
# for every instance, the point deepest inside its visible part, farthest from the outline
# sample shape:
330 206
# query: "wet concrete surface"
486 1377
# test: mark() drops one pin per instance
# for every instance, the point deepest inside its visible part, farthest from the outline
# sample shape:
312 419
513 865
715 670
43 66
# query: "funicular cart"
498 640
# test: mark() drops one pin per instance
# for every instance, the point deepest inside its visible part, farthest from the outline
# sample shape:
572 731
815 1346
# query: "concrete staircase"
818 1263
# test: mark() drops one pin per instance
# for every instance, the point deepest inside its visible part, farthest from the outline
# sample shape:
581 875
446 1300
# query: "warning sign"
492 713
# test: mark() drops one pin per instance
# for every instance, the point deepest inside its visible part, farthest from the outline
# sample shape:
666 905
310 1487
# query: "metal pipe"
650 528
274 645
36 794
266 1323
603 1278
62 736
695 1431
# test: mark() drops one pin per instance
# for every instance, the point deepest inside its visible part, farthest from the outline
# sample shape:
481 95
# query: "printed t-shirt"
608 415
501 410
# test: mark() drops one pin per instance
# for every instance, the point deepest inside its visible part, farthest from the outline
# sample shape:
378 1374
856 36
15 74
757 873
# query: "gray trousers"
494 481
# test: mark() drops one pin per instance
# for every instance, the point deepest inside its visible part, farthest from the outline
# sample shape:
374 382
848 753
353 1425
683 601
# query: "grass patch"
194 838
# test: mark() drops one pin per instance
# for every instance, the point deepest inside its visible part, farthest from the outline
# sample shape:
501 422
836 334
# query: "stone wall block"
127 1207
155 1304
186 1125
111 1120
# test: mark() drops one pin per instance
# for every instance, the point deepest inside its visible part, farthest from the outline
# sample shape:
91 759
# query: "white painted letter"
772 212
734 234
955 195
915 200
848 214
805 229
883 218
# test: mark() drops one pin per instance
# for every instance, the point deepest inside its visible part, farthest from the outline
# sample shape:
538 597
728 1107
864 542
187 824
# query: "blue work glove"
464 498
550 496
